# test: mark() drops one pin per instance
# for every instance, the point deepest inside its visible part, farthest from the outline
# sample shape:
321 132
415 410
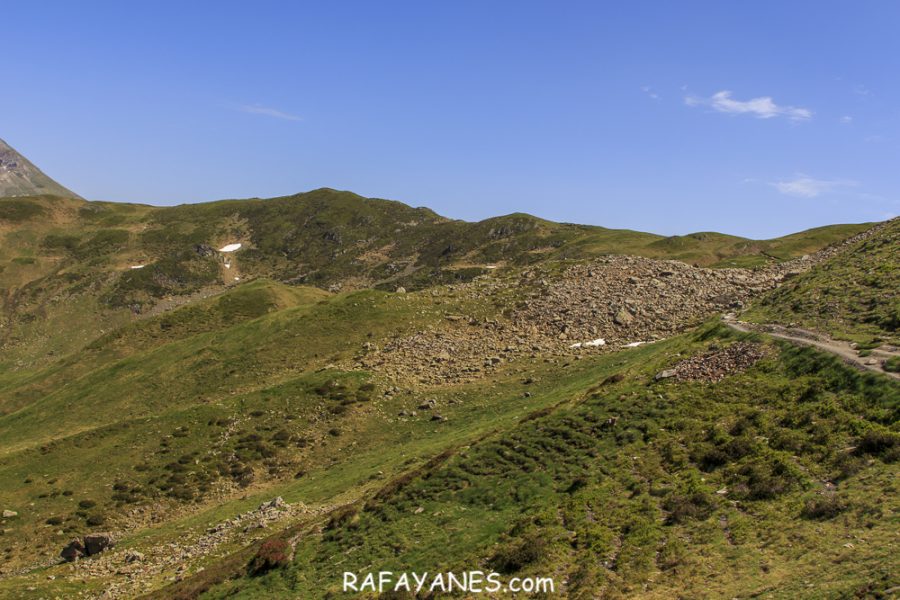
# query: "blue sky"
756 119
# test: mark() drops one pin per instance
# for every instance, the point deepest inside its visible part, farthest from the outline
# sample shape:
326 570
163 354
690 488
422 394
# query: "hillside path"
873 362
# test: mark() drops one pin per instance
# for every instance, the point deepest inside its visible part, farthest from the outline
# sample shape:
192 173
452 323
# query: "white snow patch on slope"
590 344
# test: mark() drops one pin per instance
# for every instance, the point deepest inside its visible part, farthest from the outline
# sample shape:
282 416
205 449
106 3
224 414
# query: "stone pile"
716 364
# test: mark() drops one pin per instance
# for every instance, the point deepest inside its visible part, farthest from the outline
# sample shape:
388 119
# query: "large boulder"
666 374
73 551
96 543
623 317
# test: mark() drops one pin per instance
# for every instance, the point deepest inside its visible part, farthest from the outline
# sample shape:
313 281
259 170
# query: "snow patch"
590 344
137 266
230 247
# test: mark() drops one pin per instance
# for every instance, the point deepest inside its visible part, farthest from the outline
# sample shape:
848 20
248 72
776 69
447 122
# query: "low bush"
518 554
273 553
821 508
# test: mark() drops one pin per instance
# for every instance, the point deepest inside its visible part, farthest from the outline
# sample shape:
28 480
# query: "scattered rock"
277 503
205 250
9 514
616 299
133 556
666 374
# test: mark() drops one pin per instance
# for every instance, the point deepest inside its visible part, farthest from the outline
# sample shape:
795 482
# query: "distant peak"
20 177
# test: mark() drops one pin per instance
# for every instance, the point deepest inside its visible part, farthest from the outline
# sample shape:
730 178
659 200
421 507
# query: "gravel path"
874 362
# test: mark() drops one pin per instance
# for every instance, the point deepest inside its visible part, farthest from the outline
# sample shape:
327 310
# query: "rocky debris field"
600 305
135 571
717 364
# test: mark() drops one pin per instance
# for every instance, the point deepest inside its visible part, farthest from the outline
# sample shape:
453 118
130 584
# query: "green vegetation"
700 490
163 401
855 296
16 211
64 262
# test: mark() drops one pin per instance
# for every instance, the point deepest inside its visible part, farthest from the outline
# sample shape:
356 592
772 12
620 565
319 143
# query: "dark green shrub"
518 554
683 507
96 520
879 443
345 516
821 508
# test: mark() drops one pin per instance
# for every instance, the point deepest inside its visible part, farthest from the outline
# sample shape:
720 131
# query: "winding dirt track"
874 362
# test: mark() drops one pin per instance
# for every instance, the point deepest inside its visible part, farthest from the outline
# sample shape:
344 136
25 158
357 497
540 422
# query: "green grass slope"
157 402
197 414
855 295
628 487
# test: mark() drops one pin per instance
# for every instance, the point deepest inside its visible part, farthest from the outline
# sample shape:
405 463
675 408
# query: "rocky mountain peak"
19 177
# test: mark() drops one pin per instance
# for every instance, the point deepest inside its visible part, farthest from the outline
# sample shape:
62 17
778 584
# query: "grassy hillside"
855 295
166 403
635 488
219 430
66 264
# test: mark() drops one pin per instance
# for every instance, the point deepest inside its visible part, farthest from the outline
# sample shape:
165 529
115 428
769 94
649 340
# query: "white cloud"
649 91
762 108
804 186
846 119
256 109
